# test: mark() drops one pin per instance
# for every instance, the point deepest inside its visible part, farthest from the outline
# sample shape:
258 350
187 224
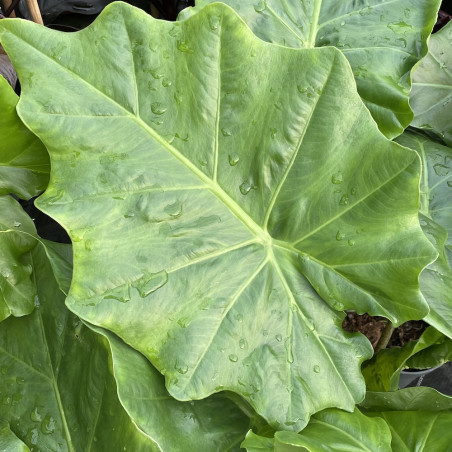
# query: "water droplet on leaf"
233 160
316 369
157 108
48 425
233 358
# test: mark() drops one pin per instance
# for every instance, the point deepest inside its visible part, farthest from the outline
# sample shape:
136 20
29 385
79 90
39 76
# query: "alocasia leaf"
419 418
331 430
17 288
200 174
56 389
436 221
382 40
24 161
9 442
213 424
382 372
431 95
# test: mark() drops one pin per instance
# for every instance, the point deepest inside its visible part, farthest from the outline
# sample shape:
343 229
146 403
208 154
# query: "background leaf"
17 287
330 430
213 424
56 389
436 221
9 442
431 95
206 227
382 40
24 161
382 372
419 418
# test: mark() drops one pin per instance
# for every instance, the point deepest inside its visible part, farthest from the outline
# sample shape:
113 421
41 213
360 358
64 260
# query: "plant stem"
385 337
34 11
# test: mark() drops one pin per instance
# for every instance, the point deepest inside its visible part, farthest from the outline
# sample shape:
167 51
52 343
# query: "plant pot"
407 376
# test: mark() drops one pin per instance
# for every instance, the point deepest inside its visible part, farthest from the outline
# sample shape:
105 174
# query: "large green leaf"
331 430
213 424
436 221
9 442
382 372
24 161
56 389
431 95
200 173
382 40
17 288
419 418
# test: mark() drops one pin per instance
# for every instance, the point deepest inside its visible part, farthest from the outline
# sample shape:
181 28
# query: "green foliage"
432 87
381 39
17 287
227 199
24 162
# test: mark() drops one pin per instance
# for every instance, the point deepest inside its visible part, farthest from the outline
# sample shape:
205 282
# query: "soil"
372 328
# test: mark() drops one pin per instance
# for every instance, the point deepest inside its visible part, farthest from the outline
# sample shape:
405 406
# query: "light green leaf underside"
9 442
56 388
419 418
431 95
213 424
330 430
24 161
207 204
436 221
382 372
17 288
382 39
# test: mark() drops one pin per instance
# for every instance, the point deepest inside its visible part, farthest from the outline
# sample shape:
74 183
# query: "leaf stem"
385 337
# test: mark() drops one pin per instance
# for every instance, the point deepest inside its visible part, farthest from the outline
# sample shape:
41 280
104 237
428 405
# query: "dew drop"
17 224
243 344
342 23
174 210
351 242
278 337
273 132
440 169
233 160
166 83
150 282
316 369
449 183
245 188
20 380
239 318
35 416
340 236
260 6
353 191
289 354
344 200
337 178
182 370
265 333
214 22
89 245
157 108
338 305
48 425
233 358
226 132
184 47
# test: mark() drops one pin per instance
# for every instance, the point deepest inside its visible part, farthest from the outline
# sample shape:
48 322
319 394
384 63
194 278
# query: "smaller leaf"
431 95
435 218
9 442
330 430
173 425
382 372
17 288
419 418
24 162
